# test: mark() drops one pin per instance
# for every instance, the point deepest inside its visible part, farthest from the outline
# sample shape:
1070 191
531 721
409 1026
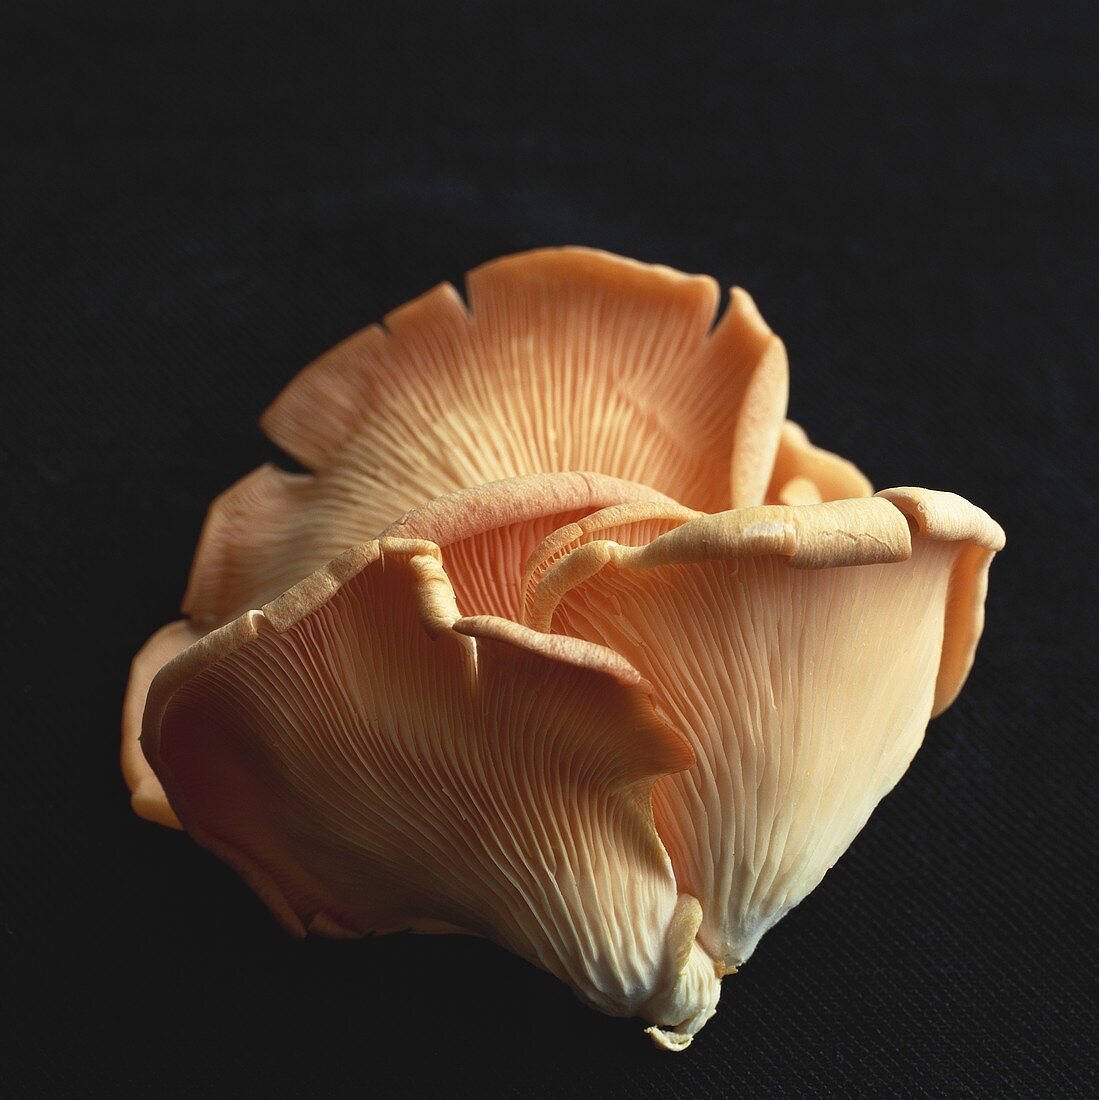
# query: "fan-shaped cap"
371 761
805 474
565 359
627 523
949 518
801 650
146 795
486 534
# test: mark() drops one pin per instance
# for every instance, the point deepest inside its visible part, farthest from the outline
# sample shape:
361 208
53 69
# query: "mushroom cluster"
567 638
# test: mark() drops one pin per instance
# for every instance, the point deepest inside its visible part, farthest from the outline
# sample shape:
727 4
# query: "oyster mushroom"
801 651
564 359
596 717
371 761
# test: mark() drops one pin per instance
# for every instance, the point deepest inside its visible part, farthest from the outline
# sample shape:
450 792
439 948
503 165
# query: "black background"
198 199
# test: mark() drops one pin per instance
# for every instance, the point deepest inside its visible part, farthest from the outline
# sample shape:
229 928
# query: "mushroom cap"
401 742
949 518
801 650
486 533
370 761
564 359
806 474
146 795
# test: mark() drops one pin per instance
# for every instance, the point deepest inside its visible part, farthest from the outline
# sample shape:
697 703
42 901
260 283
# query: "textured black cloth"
199 198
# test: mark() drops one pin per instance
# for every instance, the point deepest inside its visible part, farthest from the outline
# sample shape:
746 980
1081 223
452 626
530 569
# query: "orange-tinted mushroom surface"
802 652
565 359
371 761
567 639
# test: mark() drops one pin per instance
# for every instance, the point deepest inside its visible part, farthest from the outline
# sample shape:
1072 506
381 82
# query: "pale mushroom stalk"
801 650
370 761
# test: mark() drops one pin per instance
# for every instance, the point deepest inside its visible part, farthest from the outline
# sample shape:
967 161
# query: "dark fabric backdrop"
199 198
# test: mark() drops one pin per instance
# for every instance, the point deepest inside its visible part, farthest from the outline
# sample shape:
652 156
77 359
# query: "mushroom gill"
487 533
565 359
801 650
370 761
617 665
